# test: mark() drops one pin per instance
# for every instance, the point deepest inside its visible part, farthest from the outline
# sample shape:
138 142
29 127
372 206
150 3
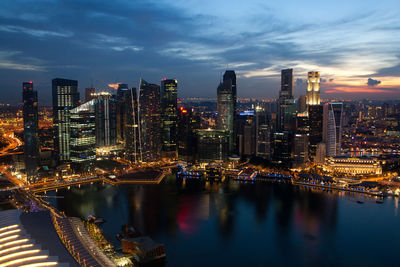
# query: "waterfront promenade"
138 178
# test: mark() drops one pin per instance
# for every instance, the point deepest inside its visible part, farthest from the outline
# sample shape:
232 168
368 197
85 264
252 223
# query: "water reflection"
232 223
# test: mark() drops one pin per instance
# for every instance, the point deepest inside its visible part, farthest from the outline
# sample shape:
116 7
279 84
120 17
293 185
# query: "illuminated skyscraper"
315 113
300 140
332 132
263 133
169 95
188 123
246 133
123 102
150 119
313 83
31 128
106 113
83 136
133 148
226 109
286 84
300 148
230 75
65 97
212 145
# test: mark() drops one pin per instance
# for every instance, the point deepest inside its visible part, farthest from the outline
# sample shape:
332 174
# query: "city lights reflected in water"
259 224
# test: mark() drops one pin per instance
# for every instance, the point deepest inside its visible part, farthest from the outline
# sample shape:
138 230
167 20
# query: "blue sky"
102 42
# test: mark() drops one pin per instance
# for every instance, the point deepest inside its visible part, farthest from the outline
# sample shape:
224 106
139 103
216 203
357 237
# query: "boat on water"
128 231
360 202
95 220
379 202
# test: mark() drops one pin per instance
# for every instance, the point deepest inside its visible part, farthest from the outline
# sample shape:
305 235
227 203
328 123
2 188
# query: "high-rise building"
188 123
302 104
315 113
301 140
226 109
313 83
320 154
212 145
230 75
150 119
300 148
31 128
286 91
229 79
133 148
106 119
246 133
282 147
263 133
286 115
83 136
65 97
332 128
89 93
169 95
124 100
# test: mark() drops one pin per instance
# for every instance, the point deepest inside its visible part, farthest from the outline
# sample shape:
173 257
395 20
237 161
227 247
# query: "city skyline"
354 46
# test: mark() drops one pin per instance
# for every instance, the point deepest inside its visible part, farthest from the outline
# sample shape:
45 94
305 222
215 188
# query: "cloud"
13 60
127 47
371 82
194 42
33 32
116 43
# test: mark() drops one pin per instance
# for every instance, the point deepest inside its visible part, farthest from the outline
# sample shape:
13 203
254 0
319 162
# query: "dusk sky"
355 44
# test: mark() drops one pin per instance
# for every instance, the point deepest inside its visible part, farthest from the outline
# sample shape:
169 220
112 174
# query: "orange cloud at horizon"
113 85
362 89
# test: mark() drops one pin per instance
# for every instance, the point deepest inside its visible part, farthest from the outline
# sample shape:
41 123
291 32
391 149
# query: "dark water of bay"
238 224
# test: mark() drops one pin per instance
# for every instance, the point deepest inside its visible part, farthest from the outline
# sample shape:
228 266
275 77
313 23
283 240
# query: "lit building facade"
150 119
353 166
169 95
332 132
83 136
263 133
133 147
188 123
315 114
246 133
124 101
300 148
212 145
226 109
31 128
286 91
313 87
106 119
65 97
286 115
230 76
282 147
